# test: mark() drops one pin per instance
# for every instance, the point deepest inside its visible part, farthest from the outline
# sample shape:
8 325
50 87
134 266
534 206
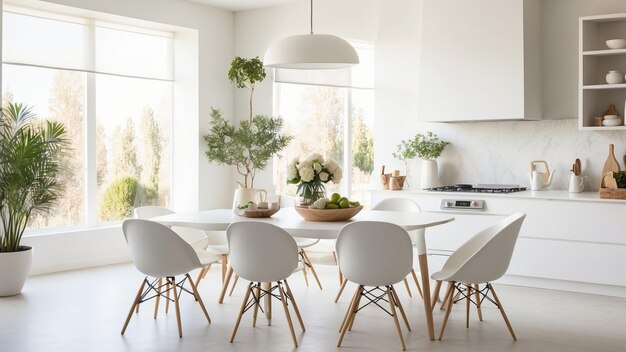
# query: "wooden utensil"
579 167
610 165
609 180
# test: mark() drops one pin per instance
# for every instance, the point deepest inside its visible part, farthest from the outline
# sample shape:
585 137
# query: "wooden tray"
259 213
613 193
328 214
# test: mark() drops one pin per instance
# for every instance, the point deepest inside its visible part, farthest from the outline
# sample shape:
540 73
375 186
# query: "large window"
112 87
330 112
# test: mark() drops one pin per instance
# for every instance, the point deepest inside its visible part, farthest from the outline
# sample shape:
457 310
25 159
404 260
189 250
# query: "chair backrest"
401 204
150 211
374 253
157 251
486 256
261 252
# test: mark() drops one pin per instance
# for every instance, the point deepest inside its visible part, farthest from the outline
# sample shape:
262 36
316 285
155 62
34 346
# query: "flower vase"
430 174
309 192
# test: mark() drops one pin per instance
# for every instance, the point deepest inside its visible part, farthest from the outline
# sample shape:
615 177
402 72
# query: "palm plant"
30 163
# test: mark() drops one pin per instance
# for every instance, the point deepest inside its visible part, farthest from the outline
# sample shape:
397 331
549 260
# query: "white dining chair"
397 204
159 253
483 259
194 237
376 255
264 254
302 243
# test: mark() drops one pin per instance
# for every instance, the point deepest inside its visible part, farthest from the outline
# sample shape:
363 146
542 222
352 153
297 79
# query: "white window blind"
63 43
359 76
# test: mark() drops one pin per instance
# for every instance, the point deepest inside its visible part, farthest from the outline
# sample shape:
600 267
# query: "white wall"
204 40
256 30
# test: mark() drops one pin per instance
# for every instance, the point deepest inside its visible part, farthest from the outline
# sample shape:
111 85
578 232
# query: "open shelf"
595 61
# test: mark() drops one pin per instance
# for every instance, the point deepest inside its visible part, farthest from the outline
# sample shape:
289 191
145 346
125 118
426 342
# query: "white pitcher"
244 195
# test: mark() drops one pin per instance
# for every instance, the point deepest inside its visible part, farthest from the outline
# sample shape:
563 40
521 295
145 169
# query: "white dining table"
289 220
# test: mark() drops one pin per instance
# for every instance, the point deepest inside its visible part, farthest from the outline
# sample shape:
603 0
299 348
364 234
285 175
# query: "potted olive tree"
30 163
249 144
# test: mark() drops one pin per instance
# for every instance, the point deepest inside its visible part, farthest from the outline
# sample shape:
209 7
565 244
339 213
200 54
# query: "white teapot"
540 180
244 195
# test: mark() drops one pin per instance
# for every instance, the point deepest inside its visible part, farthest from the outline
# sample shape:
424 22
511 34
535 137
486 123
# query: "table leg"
423 261
229 274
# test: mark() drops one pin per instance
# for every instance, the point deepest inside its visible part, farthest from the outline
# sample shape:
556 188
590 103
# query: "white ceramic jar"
614 77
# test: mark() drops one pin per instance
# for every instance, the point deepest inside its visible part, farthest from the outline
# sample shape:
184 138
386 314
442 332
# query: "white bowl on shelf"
612 122
616 43
611 117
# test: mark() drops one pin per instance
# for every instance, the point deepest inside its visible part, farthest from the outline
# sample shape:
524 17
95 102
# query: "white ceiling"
239 5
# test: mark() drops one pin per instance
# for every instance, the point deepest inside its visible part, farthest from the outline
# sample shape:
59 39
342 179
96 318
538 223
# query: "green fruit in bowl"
343 199
334 198
355 204
344 203
332 206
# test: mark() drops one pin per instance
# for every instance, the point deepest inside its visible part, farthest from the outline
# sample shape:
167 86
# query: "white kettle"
540 180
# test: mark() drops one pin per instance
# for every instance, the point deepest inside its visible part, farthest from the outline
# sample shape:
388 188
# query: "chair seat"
207 258
219 249
306 242
443 275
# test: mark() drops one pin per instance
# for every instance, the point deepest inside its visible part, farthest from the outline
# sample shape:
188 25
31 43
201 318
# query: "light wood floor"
84 311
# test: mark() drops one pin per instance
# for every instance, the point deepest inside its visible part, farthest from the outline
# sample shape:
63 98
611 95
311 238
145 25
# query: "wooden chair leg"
448 300
224 260
395 318
343 285
198 298
338 270
417 284
232 287
351 311
167 295
435 295
225 285
177 306
467 304
477 297
295 306
283 299
408 289
310 264
158 298
400 308
345 318
445 300
506 319
134 305
241 311
200 276
256 295
306 279
358 303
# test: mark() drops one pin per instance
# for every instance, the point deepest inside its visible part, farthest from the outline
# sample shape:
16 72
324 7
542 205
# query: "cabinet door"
472 60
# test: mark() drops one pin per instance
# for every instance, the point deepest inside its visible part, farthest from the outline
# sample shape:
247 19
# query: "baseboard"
82 264
562 285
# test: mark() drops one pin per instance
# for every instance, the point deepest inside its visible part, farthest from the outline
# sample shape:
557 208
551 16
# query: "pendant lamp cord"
311 16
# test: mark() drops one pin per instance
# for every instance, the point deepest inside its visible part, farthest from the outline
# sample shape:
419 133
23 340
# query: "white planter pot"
14 269
430 174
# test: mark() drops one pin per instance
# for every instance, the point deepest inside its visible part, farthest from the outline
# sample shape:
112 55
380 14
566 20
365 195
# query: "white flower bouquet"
311 174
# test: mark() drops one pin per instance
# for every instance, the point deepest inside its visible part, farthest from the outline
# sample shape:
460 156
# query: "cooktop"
479 188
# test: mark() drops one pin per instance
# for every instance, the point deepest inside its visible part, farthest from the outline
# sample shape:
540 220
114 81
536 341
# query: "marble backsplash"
501 152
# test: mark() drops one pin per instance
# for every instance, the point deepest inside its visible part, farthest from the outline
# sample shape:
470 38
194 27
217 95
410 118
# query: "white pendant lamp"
311 51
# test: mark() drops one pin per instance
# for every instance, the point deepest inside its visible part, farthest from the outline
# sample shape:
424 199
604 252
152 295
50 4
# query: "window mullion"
90 162
347 143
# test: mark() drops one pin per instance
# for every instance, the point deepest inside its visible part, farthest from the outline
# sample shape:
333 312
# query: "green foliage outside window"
122 196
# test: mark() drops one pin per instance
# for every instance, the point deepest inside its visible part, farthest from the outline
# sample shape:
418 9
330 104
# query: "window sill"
70 230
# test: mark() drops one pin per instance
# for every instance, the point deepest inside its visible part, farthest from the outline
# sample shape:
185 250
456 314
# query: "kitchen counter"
543 195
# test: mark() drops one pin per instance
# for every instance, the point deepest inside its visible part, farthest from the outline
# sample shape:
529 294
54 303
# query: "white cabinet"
595 61
480 60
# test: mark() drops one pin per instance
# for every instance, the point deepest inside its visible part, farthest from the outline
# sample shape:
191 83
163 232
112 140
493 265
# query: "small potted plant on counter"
428 148
30 163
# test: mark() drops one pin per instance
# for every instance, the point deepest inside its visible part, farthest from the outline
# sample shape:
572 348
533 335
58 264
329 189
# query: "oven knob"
448 204
473 204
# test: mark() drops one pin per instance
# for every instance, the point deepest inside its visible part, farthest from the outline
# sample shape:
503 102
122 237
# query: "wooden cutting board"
610 165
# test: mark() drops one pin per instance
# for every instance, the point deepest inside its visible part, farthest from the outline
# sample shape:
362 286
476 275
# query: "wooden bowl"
259 213
328 214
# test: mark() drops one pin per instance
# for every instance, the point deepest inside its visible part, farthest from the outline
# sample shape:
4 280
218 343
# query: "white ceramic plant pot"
14 269
430 174
614 77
